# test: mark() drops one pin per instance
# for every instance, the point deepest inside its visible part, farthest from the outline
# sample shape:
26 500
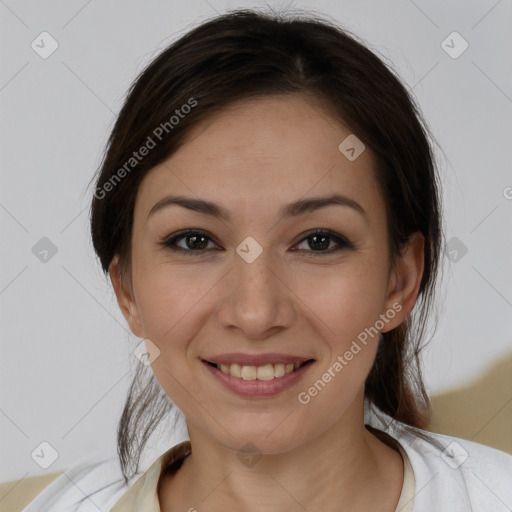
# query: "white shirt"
446 474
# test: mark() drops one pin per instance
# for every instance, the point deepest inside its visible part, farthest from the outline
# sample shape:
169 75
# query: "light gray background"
66 351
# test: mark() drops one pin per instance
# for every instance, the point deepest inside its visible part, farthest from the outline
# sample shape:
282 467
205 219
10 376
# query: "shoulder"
456 474
83 488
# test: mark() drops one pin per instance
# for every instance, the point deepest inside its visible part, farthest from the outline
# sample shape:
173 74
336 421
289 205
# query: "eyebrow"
290 210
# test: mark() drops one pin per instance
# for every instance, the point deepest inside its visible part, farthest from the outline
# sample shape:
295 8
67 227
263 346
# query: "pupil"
194 239
322 245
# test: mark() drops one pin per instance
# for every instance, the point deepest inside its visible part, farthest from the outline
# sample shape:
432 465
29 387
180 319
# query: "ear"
125 298
405 280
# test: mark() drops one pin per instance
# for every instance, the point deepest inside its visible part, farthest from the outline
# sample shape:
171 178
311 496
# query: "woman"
268 213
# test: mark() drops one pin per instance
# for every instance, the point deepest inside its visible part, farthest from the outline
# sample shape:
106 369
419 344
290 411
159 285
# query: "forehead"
263 151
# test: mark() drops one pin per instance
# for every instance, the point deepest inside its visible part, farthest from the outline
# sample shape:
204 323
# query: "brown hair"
246 54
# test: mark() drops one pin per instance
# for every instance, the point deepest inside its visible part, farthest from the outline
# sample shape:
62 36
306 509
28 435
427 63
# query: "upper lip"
256 359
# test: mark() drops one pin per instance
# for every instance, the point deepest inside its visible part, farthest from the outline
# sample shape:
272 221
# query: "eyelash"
341 241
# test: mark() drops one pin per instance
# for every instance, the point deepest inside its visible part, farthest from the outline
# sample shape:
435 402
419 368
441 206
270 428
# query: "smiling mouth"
264 372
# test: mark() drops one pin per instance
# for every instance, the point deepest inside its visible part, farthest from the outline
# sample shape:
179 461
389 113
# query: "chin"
270 437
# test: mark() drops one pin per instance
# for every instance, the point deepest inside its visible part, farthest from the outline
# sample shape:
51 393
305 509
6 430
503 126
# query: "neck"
346 467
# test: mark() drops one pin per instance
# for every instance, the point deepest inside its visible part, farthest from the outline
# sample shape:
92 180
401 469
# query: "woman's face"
257 282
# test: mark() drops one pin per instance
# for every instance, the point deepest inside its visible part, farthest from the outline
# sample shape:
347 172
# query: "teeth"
265 372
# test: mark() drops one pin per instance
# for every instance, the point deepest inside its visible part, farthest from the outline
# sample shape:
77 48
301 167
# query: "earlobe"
406 280
125 298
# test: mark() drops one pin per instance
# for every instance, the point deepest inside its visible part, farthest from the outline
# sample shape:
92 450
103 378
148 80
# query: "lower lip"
258 388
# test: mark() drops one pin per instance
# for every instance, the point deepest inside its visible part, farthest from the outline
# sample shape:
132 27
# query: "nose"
256 299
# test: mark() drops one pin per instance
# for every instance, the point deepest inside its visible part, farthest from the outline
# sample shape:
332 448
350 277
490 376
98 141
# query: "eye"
194 242
319 241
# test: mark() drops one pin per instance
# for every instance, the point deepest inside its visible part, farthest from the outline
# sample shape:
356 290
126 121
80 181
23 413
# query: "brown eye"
194 241
320 241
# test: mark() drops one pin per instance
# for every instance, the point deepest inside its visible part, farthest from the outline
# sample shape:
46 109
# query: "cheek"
346 306
167 297
170 308
347 300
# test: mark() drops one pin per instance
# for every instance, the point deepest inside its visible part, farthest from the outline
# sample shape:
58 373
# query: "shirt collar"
143 494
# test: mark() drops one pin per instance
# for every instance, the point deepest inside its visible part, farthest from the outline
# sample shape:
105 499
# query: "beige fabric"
479 412
16 495
406 501
143 493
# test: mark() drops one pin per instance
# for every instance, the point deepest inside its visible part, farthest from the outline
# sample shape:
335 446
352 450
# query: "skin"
252 158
